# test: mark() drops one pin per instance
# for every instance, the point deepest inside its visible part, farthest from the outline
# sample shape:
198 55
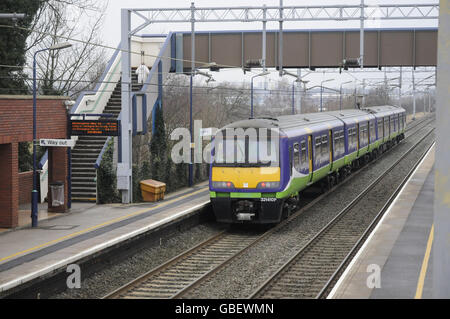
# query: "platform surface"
28 253
395 261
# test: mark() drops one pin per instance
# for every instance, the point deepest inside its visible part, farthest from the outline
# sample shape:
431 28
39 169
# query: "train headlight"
263 185
222 185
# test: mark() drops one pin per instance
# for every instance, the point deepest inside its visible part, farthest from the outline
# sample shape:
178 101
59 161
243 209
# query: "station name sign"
56 142
94 128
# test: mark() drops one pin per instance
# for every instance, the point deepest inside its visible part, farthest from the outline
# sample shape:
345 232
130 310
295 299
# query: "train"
260 166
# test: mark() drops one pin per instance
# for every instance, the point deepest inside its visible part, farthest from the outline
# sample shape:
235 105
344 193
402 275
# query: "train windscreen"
246 150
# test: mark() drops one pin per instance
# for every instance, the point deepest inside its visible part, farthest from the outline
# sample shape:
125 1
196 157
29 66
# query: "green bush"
106 178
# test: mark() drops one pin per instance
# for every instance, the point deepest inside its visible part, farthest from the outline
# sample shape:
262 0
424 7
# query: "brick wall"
9 183
16 118
25 187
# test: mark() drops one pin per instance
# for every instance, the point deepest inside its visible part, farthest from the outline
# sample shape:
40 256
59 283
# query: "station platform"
29 253
395 260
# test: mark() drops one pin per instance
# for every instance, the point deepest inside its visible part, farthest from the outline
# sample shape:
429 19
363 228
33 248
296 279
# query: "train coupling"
245 210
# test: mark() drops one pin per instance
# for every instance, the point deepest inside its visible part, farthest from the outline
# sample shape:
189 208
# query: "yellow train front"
243 183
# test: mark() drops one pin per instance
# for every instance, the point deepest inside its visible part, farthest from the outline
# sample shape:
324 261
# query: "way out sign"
56 142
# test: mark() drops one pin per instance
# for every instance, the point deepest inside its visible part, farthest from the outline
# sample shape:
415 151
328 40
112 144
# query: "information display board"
94 128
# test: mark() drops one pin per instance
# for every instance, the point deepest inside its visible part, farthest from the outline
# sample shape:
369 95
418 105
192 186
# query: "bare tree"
73 70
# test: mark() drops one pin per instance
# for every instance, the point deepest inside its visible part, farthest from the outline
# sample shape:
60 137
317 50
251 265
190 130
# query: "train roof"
352 116
383 110
304 123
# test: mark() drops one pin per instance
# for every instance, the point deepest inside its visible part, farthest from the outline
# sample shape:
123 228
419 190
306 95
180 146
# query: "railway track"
187 271
313 270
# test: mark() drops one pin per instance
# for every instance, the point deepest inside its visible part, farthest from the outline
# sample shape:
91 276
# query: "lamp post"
34 192
297 80
340 94
321 91
251 90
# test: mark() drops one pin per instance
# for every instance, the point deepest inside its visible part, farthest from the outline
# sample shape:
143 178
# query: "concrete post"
124 176
441 244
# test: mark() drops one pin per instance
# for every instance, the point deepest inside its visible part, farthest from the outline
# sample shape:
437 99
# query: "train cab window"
303 158
297 157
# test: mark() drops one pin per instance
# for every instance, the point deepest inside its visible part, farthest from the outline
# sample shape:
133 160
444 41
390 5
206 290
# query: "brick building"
16 125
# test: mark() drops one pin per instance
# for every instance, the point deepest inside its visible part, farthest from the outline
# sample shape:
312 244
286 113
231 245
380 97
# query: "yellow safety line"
423 271
99 225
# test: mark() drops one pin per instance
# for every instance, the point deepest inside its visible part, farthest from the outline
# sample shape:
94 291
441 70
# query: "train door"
310 157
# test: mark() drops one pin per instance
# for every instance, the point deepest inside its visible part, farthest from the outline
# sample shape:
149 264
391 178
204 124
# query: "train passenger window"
380 128
339 142
317 147
351 137
362 132
372 131
324 150
350 141
366 133
303 154
297 157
